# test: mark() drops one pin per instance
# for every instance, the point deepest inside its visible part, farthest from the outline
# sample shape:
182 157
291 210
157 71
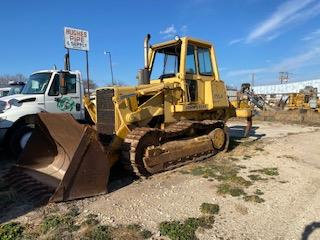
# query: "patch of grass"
225 188
258 192
91 220
177 230
267 171
198 171
209 208
253 198
11 231
101 232
50 222
132 231
58 224
256 177
73 212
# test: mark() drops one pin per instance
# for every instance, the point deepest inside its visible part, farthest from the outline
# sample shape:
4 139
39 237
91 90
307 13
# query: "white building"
278 90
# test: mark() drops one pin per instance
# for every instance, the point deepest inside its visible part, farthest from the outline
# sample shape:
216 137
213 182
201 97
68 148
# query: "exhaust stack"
146 51
144 74
67 62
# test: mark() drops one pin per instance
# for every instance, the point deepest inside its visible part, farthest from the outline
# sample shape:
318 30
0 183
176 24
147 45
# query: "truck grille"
105 111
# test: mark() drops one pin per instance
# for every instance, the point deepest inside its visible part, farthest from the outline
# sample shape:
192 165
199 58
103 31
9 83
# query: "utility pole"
252 79
283 77
110 62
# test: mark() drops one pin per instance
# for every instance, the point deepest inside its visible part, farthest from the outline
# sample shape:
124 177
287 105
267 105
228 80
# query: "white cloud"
304 59
234 41
312 36
291 11
307 58
169 32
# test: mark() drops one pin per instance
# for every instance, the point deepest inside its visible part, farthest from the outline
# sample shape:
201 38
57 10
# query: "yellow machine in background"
306 99
176 114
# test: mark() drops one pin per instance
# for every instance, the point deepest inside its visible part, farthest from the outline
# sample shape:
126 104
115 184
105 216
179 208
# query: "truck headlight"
7 106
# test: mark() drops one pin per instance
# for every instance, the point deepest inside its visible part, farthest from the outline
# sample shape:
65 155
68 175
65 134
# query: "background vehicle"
4 91
40 94
16 87
175 115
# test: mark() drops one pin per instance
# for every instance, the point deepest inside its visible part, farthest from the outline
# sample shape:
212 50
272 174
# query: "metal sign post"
88 83
78 39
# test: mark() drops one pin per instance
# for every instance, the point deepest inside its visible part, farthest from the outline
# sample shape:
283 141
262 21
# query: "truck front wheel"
19 139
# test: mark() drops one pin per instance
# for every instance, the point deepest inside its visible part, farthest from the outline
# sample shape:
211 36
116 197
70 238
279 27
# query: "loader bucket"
66 157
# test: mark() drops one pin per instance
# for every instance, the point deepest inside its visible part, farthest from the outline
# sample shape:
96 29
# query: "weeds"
132 231
258 192
186 230
177 230
256 177
101 232
209 208
225 188
91 220
267 171
253 198
11 231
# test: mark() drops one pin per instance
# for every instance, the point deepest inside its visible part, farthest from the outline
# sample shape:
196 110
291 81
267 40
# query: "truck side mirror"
63 86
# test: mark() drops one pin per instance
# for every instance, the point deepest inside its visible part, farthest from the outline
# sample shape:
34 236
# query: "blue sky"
250 36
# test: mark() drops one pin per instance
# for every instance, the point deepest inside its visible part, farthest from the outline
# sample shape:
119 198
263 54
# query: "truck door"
68 103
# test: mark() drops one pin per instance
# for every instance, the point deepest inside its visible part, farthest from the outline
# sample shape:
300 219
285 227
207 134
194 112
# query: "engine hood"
17 100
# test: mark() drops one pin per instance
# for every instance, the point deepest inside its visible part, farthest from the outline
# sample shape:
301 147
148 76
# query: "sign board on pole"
76 39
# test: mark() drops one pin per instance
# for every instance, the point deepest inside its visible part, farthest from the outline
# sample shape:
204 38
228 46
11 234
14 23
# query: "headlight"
4 106
8 105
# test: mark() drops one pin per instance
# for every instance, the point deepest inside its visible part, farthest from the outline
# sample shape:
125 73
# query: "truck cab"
45 91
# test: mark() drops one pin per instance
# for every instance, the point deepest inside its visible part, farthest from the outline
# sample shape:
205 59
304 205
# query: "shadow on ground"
309 229
14 204
237 135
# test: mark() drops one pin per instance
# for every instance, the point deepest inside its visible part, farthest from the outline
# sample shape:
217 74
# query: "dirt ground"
280 162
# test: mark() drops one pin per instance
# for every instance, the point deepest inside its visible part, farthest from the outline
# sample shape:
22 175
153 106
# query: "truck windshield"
37 83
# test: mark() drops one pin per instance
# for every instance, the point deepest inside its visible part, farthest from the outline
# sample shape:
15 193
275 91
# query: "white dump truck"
42 93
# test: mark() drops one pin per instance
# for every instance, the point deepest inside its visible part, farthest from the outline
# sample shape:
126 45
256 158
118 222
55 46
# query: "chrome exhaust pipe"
146 51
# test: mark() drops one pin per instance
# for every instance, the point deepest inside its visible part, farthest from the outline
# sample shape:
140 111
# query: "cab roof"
171 42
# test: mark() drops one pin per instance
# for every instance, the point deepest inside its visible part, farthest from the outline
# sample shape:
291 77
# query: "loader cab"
190 62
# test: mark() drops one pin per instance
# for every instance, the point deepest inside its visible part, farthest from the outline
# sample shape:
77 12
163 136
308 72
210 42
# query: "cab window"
190 60
204 61
166 62
71 81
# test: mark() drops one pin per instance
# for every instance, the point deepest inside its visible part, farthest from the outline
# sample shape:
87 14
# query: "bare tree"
5 79
92 84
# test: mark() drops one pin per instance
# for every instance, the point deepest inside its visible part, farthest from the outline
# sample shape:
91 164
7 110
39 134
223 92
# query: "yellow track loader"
176 114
